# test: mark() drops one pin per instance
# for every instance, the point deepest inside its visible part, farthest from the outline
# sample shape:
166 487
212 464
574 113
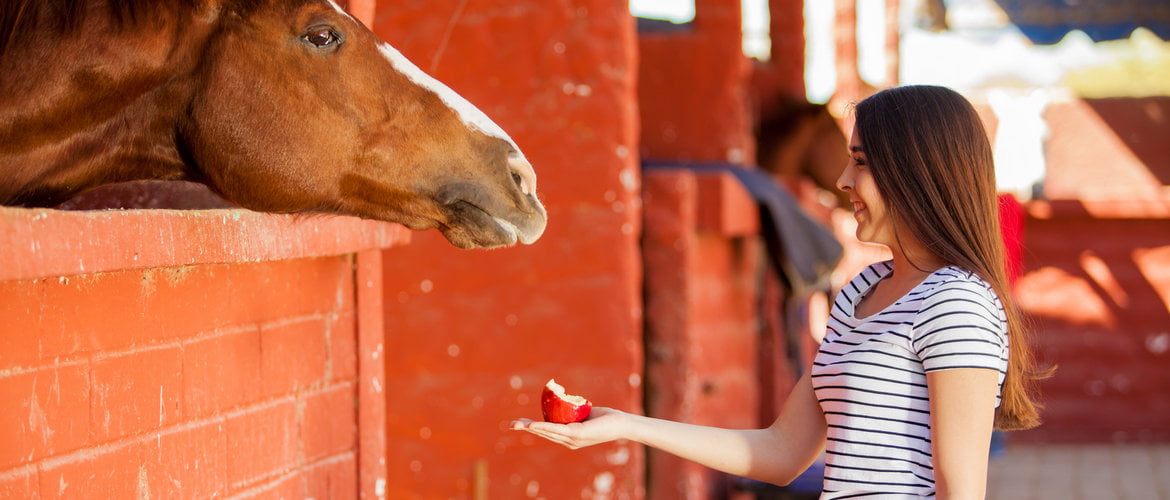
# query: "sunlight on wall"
757 40
871 41
820 61
820 71
675 11
757 43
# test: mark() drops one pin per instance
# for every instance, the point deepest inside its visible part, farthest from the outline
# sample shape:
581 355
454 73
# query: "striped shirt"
870 377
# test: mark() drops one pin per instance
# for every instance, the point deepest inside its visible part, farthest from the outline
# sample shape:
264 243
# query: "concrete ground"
1080 472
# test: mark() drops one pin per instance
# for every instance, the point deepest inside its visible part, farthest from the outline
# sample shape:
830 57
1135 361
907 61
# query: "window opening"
663 15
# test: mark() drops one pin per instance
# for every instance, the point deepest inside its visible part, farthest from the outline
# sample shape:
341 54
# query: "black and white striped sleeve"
961 325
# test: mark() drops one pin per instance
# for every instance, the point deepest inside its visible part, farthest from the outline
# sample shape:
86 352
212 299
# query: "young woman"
925 353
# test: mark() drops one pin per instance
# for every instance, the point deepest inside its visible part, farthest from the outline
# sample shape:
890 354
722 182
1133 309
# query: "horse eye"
322 37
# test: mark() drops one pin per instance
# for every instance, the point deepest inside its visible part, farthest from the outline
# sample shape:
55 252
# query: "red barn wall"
708 359
1108 149
472 336
717 329
164 354
693 89
1097 283
1096 256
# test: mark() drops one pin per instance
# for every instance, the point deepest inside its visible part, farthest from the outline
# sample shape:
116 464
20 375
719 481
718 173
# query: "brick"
261 442
221 372
136 392
281 488
343 347
272 291
293 356
189 300
23 482
23 328
191 462
105 472
43 413
95 312
56 317
333 479
330 422
186 301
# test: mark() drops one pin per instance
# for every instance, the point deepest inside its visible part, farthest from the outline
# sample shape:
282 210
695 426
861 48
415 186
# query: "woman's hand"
776 454
603 425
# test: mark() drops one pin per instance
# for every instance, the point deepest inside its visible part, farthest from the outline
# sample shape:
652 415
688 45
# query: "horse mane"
20 18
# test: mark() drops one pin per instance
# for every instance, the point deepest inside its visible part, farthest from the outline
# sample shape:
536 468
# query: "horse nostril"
522 174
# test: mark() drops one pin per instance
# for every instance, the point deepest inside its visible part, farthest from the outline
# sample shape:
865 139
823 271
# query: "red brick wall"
1095 271
782 76
703 338
472 336
717 333
694 89
1107 148
161 354
1097 282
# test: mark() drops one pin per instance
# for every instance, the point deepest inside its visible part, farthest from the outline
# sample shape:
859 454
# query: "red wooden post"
371 375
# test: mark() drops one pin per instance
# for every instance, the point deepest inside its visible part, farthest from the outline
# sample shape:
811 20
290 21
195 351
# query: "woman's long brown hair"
932 162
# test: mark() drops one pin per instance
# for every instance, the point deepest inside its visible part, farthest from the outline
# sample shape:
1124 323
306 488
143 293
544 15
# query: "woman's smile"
858 208
873 223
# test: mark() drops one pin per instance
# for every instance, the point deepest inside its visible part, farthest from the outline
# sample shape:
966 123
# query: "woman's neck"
907 274
914 267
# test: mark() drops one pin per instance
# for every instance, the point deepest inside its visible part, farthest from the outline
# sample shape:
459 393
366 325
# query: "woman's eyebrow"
856 149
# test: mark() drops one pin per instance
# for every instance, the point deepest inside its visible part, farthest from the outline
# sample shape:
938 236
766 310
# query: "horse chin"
466 239
473 227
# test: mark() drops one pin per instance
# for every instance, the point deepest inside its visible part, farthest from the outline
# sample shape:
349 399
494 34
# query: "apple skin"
560 408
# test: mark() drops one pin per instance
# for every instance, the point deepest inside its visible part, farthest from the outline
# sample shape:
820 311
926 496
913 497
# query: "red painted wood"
1097 284
226 364
371 366
56 243
473 336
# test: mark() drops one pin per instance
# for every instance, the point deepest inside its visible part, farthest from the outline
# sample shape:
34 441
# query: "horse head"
796 139
291 106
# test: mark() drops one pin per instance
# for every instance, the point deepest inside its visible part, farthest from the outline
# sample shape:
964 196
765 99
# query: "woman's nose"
845 181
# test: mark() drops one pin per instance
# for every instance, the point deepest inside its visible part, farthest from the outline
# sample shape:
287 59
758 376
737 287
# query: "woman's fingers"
520 424
564 435
600 427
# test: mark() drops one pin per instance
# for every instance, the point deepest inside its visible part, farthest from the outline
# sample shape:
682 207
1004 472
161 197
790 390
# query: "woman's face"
874 224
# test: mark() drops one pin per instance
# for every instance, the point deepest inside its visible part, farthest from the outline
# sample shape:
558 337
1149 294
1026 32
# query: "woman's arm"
962 413
777 454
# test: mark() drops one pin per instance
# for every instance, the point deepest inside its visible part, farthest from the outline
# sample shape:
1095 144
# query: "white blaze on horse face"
471 115
468 113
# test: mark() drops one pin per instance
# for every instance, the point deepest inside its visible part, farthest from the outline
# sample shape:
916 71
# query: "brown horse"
289 106
798 139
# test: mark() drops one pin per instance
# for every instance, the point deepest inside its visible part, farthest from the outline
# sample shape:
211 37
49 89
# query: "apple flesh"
562 408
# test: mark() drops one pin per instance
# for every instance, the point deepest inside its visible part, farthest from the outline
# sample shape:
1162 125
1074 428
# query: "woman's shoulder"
874 272
952 282
865 279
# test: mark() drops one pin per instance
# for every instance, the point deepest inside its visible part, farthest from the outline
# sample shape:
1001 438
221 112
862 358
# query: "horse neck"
94 106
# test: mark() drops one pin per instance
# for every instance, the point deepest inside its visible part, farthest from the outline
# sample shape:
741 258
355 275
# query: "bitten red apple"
562 408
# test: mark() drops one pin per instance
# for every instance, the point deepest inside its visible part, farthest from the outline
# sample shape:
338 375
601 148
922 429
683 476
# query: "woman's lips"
858 207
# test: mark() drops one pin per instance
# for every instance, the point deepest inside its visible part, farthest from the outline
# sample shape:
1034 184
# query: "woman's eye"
322 37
